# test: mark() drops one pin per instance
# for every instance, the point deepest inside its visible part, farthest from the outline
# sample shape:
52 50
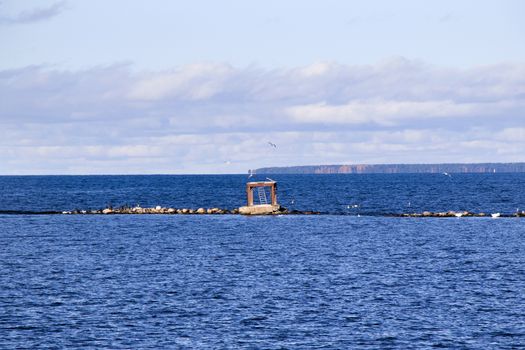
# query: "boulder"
201 211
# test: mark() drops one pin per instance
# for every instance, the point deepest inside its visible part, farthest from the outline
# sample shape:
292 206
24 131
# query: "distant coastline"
396 168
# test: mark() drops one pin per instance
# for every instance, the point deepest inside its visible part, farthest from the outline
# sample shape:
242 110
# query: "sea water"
337 280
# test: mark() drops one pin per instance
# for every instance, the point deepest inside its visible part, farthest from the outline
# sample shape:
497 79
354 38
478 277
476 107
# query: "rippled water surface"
372 193
226 281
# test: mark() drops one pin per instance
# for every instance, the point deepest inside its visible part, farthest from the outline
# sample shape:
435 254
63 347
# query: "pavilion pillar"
249 194
273 194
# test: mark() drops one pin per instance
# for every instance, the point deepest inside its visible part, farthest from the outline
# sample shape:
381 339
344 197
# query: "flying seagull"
272 144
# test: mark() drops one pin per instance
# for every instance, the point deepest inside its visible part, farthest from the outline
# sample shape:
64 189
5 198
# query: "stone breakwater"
449 214
280 211
173 211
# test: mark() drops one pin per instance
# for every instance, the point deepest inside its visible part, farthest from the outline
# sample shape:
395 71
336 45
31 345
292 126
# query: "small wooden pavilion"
264 206
260 187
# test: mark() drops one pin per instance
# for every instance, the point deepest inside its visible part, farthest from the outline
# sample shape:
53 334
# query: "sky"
190 87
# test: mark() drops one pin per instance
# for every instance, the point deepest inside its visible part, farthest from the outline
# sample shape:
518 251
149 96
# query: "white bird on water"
449 176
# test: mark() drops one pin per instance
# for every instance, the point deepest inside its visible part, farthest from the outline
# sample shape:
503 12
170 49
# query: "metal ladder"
262 195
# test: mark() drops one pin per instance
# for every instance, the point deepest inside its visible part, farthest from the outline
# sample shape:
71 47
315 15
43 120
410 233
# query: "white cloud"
216 118
35 14
383 112
194 82
512 134
315 70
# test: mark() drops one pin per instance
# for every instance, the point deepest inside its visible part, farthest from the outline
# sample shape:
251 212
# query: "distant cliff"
397 168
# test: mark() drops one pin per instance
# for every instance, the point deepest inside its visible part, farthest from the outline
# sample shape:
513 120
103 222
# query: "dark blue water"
373 193
227 281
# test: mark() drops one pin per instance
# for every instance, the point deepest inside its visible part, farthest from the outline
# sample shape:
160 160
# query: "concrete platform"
261 209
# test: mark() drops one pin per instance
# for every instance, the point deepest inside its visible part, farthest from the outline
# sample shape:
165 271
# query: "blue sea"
351 278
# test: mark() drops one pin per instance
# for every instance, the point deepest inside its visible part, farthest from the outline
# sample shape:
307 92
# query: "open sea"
351 278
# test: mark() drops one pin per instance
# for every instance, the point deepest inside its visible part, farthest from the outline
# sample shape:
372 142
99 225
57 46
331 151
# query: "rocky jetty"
182 211
156 210
280 211
459 214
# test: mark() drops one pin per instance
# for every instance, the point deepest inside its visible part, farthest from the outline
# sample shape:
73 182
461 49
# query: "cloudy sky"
160 86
